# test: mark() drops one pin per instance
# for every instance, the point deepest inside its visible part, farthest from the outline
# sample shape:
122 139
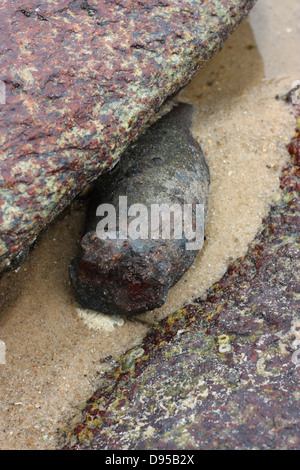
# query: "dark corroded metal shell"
165 166
81 79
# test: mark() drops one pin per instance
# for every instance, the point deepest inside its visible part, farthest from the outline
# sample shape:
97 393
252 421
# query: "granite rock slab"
223 372
81 79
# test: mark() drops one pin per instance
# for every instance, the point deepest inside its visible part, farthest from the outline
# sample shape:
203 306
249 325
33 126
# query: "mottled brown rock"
222 373
164 167
82 78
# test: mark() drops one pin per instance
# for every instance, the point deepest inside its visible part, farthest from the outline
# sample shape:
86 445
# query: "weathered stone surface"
223 373
82 78
165 166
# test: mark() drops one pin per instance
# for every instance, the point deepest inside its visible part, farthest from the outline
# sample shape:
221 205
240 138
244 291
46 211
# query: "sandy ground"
54 359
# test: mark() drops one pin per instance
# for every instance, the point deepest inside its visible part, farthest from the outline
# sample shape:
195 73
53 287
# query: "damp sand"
55 352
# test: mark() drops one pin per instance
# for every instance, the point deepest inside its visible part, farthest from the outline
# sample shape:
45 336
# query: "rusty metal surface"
164 167
81 80
222 373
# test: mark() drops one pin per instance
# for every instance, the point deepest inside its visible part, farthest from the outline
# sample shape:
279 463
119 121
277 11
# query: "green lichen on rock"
82 79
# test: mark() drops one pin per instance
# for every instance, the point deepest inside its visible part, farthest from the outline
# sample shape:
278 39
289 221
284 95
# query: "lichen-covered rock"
82 78
222 373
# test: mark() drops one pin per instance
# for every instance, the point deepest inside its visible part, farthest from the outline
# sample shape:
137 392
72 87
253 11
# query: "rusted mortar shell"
165 165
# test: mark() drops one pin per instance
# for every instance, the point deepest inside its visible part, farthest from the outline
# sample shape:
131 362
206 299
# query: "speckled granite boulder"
223 373
82 78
